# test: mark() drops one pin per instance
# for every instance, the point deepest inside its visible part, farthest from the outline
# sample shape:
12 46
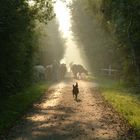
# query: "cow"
62 71
49 72
39 72
78 70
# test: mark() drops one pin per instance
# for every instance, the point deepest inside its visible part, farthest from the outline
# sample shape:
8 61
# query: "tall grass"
123 99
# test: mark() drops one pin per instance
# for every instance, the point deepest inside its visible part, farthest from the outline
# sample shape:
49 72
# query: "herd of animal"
57 71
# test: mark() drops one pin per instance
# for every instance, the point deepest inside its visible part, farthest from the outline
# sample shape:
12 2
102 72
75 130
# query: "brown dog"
75 90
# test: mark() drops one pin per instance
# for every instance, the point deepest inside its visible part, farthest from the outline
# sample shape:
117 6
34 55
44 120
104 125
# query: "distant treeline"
18 41
121 18
110 32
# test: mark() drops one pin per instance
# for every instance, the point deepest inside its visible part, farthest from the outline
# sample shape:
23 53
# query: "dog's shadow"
78 100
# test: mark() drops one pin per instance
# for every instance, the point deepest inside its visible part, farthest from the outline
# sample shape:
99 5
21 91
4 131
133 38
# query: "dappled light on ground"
53 100
59 117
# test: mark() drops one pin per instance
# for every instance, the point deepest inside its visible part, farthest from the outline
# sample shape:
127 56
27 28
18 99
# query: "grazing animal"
39 72
62 71
49 72
55 67
56 71
78 70
75 90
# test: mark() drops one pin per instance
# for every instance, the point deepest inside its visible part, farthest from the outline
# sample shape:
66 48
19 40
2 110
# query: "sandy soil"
57 116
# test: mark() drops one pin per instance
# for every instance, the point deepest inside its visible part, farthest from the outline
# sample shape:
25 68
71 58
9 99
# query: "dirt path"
59 117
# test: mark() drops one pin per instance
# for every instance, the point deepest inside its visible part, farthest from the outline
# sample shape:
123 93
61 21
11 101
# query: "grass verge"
13 107
124 100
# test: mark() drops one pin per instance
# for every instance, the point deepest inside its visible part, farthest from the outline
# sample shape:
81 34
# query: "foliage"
13 107
96 41
50 43
123 100
121 19
17 42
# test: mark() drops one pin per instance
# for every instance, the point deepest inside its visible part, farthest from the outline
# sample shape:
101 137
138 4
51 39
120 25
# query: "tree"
124 15
17 23
120 18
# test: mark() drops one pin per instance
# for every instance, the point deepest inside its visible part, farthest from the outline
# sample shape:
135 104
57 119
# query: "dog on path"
75 91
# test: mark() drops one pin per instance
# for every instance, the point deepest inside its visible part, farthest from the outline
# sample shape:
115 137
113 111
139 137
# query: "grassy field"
13 107
123 99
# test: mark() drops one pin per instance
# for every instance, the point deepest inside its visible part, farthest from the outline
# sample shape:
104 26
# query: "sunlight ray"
73 53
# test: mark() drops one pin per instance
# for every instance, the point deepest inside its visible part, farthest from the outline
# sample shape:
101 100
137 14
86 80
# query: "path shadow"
78 100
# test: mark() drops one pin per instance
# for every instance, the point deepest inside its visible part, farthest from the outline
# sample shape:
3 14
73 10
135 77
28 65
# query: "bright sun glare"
63 15
73 53
31 2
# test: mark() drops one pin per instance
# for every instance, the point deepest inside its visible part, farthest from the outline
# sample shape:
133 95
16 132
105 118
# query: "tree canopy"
17 40
115 30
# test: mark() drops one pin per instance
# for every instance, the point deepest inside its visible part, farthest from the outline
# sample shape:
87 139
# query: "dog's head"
75 86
